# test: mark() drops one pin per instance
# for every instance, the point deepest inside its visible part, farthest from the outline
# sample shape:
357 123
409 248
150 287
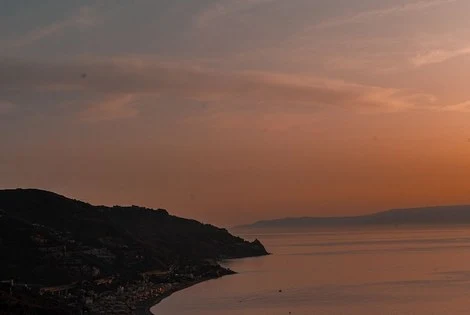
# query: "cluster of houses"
102 293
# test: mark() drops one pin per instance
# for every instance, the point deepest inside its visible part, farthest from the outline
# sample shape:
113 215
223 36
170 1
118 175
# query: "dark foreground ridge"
64 256
441 215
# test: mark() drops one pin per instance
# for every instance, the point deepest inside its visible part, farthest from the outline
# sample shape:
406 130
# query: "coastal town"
63 256
112 295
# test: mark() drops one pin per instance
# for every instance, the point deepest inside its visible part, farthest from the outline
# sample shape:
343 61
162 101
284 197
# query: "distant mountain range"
441 215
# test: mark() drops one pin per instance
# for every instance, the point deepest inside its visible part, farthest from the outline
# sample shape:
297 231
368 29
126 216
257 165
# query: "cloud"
84 18
380 13
120 81
222 9
112 108
460 107
438 56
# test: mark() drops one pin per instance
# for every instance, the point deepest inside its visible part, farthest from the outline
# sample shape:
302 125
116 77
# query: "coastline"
144 307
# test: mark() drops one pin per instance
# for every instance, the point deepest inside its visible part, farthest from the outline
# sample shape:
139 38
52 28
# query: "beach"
143 308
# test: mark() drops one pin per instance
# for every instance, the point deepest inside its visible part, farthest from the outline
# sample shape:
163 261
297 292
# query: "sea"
358 271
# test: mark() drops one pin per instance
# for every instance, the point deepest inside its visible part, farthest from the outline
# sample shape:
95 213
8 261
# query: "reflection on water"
399 271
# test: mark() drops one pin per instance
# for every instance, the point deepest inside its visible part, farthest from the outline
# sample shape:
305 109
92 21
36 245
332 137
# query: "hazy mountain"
441 215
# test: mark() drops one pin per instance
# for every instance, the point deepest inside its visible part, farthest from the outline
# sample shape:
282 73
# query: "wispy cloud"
84 18
460 107
438 56
224 8
380 13
111 108
121 81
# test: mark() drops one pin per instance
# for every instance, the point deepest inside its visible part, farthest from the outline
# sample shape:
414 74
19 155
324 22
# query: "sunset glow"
217 111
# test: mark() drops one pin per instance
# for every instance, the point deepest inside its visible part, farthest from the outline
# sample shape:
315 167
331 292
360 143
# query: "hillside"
48 239
442 215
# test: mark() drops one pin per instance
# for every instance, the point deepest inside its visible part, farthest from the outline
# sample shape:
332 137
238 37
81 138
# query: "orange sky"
232 111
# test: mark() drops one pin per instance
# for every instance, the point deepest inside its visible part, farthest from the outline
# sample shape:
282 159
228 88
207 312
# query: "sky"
232 111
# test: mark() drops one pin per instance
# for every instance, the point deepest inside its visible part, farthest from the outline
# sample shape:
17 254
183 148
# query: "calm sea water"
413 271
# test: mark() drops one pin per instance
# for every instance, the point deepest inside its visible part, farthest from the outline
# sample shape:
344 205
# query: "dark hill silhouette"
46 238
440 215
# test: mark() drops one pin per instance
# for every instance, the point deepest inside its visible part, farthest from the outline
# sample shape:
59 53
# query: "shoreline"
144 307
